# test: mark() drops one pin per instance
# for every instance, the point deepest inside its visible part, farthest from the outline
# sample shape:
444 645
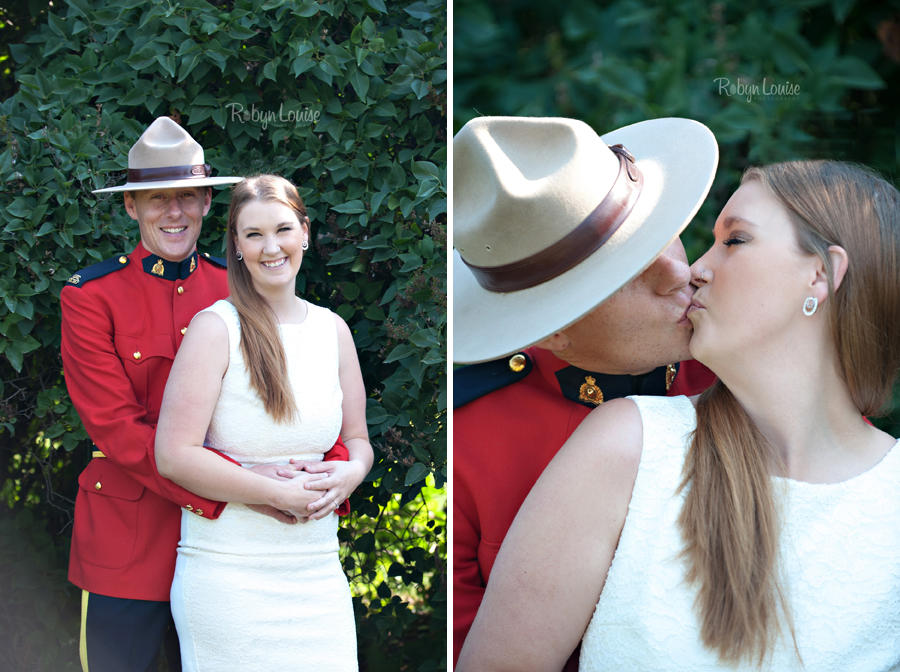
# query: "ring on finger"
336 505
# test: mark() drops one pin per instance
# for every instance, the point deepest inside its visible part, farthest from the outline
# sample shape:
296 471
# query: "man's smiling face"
169 219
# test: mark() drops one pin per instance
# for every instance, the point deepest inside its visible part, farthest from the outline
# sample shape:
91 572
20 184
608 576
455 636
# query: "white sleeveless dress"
251 593
840 557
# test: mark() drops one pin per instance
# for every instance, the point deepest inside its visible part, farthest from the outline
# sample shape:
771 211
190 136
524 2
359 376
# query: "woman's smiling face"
270 236
752 282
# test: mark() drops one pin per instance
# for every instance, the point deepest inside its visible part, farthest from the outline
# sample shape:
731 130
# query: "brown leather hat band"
575 246
169 173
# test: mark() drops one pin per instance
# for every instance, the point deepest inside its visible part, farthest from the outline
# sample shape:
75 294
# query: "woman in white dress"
754 527
264 378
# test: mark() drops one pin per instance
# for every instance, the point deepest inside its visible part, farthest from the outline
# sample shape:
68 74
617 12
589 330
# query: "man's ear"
554 343
129 205
207 201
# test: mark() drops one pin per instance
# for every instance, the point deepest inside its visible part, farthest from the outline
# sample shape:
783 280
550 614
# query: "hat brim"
171 184
678 158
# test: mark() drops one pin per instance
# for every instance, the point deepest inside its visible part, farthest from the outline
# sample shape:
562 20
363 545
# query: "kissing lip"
695 305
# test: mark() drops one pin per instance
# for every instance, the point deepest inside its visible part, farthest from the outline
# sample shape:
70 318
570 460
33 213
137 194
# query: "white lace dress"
841 560
251 593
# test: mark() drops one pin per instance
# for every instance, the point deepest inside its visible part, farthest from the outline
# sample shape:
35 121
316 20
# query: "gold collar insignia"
590 392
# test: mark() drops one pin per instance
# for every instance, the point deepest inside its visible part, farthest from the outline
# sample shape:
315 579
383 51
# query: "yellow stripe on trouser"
82 648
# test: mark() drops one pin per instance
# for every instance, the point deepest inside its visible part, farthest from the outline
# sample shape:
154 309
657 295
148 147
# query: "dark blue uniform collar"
171 270
590 388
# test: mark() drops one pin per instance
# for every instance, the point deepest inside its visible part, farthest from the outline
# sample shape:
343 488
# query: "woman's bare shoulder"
611 436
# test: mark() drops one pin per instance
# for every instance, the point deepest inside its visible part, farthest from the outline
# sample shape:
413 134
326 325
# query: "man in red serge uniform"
123 320
566 242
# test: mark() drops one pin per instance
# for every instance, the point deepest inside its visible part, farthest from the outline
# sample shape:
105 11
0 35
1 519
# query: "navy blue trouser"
119 635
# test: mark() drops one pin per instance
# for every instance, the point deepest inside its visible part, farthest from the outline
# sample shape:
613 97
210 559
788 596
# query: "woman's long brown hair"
730 518
260 338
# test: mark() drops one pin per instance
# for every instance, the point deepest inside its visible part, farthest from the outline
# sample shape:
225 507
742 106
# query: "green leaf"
142 59
167 62
188 63
855 73
330 66
14 355
375 415
365 543
416 473
375 313
420 88
425 170
270 69
374 242
187 47
307 9
19 208
399 352
350 208
26 309
419 10
350 291
344 255
135 97
842 8
57 24
301 64
360 83
240 33
155 11
410 262
345 311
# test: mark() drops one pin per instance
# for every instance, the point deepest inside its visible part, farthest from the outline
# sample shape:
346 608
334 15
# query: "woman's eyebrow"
729 221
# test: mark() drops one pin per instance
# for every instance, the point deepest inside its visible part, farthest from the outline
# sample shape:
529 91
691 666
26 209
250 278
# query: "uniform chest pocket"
147 361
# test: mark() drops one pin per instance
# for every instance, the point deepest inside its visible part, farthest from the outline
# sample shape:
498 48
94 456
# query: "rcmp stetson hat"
551 219
165 157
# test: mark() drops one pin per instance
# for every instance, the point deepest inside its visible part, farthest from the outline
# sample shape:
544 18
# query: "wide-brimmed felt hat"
166 157
550 220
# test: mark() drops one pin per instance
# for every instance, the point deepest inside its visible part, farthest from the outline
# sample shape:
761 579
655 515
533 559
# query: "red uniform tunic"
120 331
502 442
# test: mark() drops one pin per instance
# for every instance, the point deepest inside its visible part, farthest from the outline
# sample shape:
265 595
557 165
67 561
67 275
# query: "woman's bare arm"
190 398
553 563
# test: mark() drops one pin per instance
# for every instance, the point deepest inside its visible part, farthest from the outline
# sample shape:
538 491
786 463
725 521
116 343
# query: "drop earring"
239 255
810 305
305 245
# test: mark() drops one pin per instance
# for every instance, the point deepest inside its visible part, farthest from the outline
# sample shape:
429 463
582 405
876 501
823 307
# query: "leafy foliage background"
612 64
347 99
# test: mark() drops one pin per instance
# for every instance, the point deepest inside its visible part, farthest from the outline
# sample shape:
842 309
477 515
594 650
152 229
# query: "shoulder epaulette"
476 380
218 261
98 270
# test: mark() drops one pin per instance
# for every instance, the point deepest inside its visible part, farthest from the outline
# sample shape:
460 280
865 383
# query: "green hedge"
346 99
834 64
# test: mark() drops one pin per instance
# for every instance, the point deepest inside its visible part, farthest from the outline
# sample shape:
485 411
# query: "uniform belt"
98 453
